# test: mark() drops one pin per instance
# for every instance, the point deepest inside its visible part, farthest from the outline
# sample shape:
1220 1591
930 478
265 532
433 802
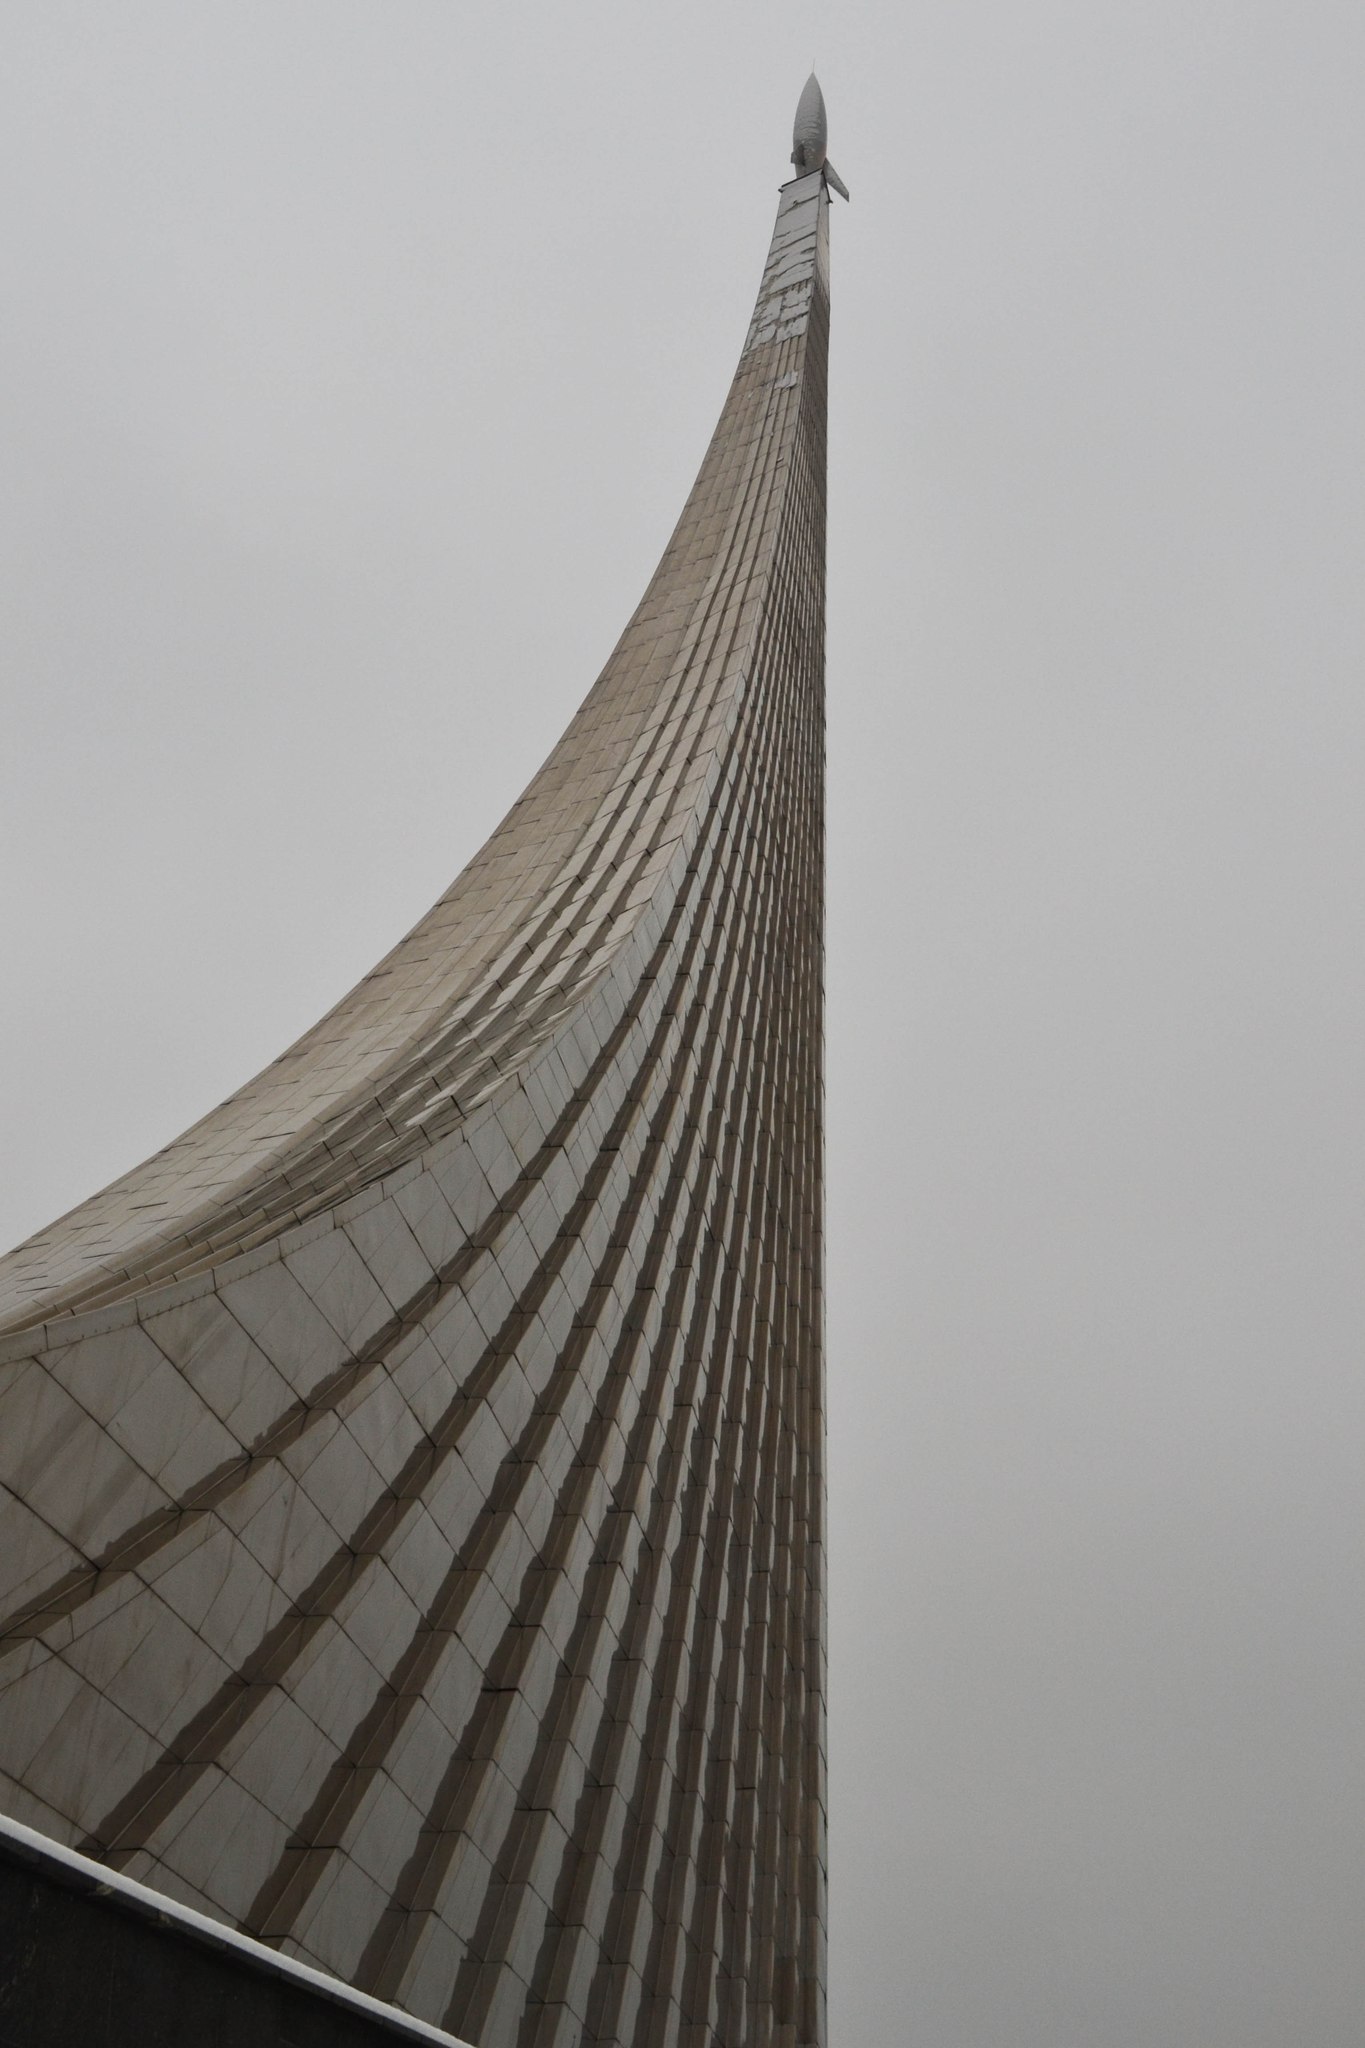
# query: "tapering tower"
412 1539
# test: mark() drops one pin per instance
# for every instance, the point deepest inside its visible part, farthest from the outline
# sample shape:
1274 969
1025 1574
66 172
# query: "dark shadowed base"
84 1966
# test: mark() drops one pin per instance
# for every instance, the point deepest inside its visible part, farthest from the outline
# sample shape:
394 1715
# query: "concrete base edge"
90 1957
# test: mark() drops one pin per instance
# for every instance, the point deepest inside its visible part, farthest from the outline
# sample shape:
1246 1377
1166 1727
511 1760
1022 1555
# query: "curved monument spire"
411 1551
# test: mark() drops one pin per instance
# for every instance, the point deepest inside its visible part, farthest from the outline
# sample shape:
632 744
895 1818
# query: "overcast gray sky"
355 361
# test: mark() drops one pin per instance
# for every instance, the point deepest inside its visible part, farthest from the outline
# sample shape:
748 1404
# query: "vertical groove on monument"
412 1539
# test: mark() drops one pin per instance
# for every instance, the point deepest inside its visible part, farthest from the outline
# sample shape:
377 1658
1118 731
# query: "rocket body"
810 132
810 136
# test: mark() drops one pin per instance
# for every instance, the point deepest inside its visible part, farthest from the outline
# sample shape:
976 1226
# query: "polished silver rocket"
810 136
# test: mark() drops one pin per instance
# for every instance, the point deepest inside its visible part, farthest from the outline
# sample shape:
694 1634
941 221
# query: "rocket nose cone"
810 132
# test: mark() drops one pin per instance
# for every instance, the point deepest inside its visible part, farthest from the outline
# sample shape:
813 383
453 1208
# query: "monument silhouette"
411 1550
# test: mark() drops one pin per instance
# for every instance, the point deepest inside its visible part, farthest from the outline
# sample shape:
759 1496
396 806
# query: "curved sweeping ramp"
410 1551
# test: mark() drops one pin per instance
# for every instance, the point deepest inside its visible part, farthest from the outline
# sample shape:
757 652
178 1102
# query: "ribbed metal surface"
412 1549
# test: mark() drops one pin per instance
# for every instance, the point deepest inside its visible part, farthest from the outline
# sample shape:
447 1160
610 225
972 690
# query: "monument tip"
810 137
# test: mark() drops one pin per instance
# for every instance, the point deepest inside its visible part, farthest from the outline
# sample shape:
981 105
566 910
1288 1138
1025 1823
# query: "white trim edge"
141 1899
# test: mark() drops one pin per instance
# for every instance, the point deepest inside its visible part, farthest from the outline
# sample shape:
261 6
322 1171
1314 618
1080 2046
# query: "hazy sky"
355 362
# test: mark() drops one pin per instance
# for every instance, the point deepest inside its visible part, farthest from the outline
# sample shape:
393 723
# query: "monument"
411 1554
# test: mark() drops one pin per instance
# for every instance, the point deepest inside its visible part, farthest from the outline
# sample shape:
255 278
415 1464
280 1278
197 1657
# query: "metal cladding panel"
412 1548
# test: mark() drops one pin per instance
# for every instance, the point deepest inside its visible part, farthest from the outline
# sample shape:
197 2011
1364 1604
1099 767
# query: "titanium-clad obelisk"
411 1545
